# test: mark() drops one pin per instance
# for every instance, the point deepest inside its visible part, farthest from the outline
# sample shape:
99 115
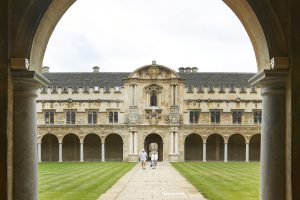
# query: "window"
215 117
194 116
257 117
92 117
49 117
237 117
113 117
71 117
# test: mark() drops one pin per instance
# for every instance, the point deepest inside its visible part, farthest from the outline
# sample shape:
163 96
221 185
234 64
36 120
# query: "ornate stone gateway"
154 142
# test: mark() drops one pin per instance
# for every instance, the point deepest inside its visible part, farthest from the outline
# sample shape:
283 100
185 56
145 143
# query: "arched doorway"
254 147
215 148
92 148
236 148
113 147
193 148
151 139
49 148
71 148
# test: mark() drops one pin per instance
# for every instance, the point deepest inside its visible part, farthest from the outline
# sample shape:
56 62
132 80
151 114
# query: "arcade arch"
49 148
153 141
236 148
71 148
92 147
254 147
113 147
193 148
215 147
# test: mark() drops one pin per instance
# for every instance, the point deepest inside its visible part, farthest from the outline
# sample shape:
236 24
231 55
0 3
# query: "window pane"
68 117
51 117
46 117
116 117
110 117
94 118
73 119
89 118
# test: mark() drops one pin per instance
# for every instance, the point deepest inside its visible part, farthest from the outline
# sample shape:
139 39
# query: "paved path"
161 183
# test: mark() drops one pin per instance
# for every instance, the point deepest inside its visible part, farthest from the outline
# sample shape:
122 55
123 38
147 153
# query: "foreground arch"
193 148
71 148
49 148
113 147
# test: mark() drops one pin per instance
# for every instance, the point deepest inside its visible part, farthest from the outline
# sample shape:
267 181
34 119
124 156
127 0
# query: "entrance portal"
154 142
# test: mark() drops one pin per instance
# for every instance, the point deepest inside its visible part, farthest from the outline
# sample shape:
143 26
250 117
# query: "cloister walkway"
164 182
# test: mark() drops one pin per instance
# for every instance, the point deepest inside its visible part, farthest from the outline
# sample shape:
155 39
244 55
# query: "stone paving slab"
162 183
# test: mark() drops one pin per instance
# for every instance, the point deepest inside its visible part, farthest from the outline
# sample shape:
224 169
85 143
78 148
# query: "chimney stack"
195 69
96 69
188 70
45 69
181 69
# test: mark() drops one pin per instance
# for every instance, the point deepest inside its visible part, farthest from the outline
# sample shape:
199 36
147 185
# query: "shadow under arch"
193 147
49 147
154 138
113 147
236 147
254 147
70 147
215 147
92 147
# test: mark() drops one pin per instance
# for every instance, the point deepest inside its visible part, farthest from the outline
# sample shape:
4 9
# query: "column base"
173 157
133 158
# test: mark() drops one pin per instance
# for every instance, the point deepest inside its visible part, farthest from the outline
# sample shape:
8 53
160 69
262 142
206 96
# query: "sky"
123 35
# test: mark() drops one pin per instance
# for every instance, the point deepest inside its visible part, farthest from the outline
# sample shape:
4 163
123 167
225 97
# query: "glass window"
257 117
92 117
194 116
113 117
237 117
71 117
49 117
215 117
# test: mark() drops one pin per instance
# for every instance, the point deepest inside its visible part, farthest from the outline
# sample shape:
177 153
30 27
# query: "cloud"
122 35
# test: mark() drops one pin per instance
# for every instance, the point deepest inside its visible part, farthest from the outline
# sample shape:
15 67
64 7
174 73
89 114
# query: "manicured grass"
223 181
78 181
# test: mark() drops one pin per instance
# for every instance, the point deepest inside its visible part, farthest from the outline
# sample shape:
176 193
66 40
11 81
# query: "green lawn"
223 181
78 181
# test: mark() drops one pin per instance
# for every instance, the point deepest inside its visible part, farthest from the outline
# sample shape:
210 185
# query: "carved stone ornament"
153 114
153 72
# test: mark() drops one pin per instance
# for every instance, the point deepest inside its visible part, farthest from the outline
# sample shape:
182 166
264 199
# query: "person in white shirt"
154 158
143 158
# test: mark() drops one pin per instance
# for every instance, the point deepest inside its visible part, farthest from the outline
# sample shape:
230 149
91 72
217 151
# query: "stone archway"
154 138
236 148
113 147
254 147
92 148
215 148
71 148
49 148
193 148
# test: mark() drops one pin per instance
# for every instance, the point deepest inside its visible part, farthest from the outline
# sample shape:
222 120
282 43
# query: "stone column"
130 143
81 152
25 160
225 152
204 152
247 152
103 152
176 143
59 152
272 164
39 152
135 143
171 142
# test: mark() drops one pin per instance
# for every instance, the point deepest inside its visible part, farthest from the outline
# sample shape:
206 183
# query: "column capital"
270 77
24 80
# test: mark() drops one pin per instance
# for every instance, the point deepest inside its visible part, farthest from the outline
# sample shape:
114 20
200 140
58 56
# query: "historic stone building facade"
101 116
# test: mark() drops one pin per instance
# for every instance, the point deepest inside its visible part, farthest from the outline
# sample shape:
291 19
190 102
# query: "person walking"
143 158
154 158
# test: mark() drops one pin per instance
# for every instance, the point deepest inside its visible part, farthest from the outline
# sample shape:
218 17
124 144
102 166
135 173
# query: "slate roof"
111 79
216 79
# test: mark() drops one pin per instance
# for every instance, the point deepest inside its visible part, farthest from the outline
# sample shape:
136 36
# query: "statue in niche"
153 99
